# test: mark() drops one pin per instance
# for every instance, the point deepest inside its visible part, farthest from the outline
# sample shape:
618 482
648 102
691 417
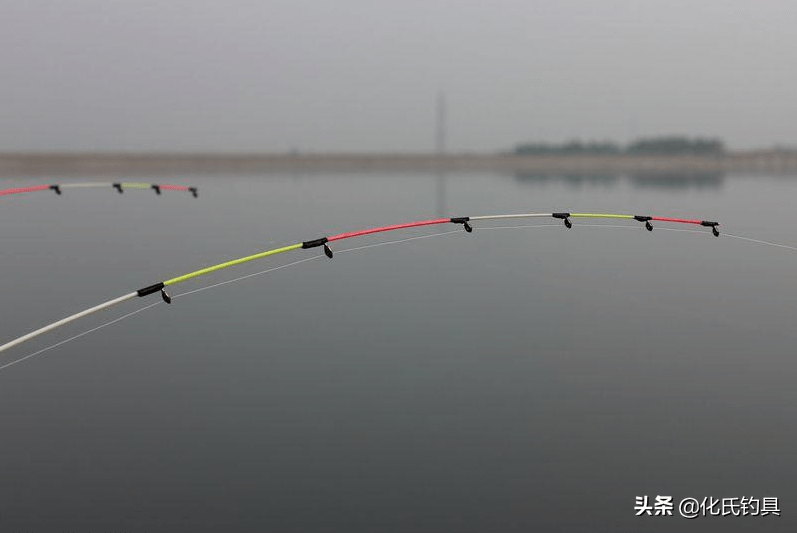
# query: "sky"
364 75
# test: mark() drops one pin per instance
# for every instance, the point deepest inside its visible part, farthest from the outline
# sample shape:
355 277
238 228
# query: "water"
502 380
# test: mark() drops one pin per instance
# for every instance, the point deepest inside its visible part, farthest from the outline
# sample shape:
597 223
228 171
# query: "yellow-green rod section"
598 215
234 262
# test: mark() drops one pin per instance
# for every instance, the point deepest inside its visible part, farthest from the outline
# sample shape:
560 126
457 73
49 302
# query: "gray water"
518 379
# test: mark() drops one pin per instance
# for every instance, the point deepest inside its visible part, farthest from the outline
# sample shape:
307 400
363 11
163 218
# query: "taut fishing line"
364 247
324 242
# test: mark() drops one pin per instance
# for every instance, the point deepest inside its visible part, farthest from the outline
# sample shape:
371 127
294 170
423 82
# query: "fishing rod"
119 186
325 241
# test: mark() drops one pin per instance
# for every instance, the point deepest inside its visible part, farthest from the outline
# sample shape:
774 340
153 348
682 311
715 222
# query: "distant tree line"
648 146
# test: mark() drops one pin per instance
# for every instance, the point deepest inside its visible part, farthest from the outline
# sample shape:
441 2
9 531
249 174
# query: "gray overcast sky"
363 75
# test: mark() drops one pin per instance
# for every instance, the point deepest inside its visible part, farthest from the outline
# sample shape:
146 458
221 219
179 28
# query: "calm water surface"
518 379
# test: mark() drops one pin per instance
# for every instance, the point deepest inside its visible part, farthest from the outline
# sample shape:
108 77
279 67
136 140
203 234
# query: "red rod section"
681 220
24 189
388 228
174 187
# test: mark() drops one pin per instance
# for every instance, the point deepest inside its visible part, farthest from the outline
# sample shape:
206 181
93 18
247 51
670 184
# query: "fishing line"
316 257
227 282
786 246
92 330
324 242
354 249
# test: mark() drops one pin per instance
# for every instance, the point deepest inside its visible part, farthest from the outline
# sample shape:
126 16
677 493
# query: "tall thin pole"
440 149
441 123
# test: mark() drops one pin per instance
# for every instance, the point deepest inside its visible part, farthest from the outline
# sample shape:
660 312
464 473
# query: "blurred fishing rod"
119 186
325 243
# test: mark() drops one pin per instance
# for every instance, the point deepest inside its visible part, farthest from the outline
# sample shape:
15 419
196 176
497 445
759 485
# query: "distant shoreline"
125 164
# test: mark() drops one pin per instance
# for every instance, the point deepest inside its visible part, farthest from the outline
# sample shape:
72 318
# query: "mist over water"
358 75
512 379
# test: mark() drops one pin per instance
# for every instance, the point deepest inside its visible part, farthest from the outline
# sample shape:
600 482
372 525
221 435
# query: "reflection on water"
440 194
648 180
686 180
569 178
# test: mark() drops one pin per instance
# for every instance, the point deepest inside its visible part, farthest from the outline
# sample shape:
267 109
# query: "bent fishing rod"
119 186
325 243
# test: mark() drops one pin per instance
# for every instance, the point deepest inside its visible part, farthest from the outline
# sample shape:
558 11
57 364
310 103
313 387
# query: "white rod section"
518 215
85 185
67 320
